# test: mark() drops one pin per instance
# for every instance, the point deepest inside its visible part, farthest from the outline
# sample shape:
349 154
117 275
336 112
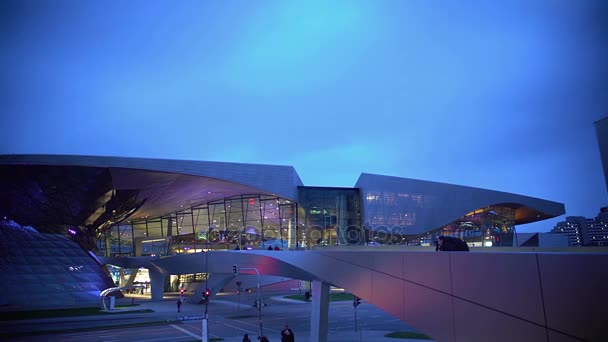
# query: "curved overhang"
53 191
438 204
276 179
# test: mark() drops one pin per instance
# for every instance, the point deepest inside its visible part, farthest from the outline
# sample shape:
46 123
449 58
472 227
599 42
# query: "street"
229 323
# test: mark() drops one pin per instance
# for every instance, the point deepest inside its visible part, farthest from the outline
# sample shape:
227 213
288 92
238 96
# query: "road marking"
186 331
232 326
166 338
255 325
198 327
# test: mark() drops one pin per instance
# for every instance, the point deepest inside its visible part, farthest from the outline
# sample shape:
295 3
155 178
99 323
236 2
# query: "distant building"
598 228
583 231
601 128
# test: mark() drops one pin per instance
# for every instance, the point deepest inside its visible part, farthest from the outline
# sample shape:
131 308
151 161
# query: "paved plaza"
228 320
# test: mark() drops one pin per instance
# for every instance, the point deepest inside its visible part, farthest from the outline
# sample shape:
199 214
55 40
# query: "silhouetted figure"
449 243
287 335
263 339
246 338
276 248
179 305
269 248
307 296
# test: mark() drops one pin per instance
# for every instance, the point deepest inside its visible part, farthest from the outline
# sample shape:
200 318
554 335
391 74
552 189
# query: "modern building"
601 129
138 207
583 231
134 207
149 217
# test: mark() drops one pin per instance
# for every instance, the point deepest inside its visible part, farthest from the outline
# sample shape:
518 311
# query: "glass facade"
329 216
246 221
486 227
325 217
389 209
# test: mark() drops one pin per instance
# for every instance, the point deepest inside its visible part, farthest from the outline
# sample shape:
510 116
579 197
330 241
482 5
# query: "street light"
206 293
259 305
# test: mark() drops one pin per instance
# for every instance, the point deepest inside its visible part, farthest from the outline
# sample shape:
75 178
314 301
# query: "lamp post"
204 322
237 270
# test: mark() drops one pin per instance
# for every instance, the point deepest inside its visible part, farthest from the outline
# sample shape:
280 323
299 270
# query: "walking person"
179 305
287 335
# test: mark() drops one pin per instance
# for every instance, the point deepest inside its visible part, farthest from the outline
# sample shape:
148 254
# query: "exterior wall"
552 240
416 206
549 240
601 128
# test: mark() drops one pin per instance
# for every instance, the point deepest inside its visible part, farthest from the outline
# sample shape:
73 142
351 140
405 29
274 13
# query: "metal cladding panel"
280 180
431 205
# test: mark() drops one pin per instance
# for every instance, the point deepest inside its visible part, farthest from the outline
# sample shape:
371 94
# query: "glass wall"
330 216
486 227
116 240
247 221
253 221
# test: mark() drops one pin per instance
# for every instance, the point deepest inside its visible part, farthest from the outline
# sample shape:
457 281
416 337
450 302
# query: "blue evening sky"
498 95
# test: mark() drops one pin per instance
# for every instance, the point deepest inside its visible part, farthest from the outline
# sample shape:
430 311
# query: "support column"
320 312
291 235
157 285
131 278
121 277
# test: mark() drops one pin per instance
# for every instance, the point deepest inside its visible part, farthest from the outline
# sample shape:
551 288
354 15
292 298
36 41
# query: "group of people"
449 243
286 336
276 248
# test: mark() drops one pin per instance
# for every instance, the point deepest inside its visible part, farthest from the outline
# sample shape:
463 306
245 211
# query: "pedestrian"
179 305
276 248
263 338
246 338
269 248
287 335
